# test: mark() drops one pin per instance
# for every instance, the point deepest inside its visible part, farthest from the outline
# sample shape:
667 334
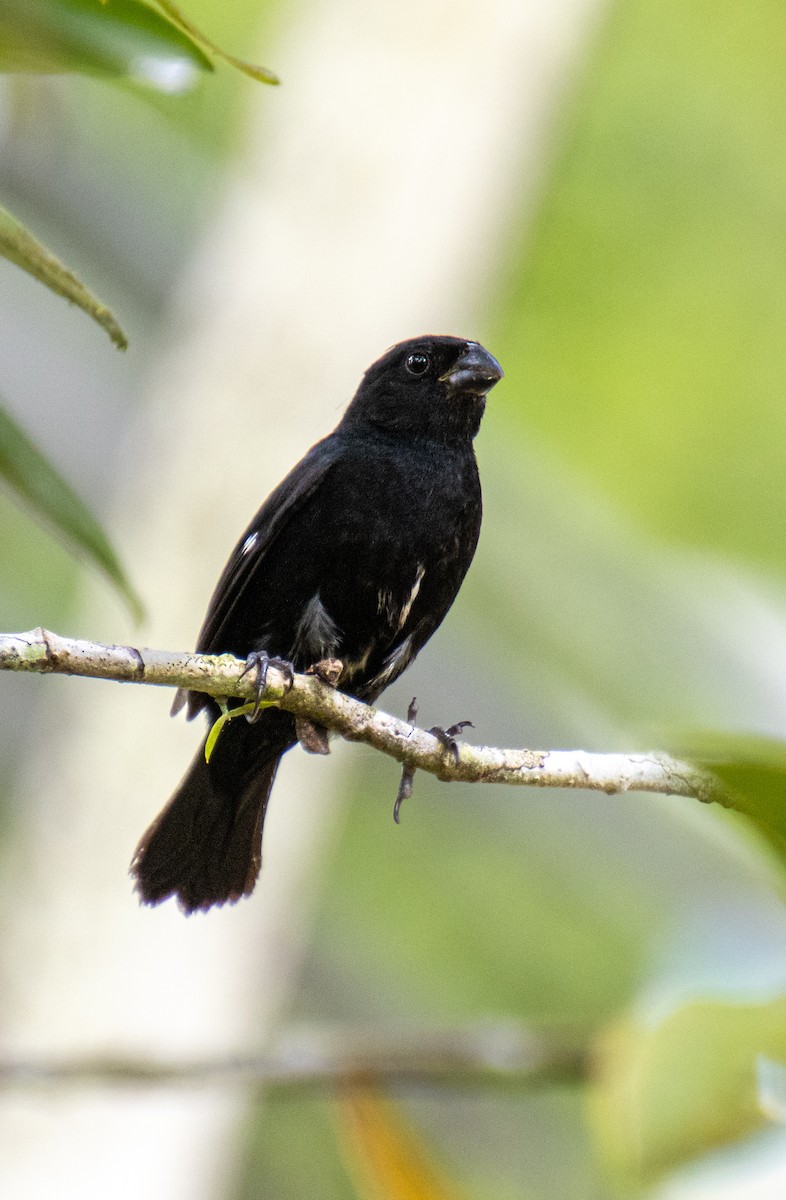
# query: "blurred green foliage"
292 1153
685 1081
628 588
645 316
152 161
754 771
119 38
36 482
123 39
633 462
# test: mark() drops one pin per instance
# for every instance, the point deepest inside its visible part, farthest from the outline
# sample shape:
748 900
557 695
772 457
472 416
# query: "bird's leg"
407 772
312 736
260 661
447 737
404 790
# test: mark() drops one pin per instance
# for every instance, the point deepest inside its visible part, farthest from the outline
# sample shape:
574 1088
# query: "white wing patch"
317 632
386 603
413 595
393 665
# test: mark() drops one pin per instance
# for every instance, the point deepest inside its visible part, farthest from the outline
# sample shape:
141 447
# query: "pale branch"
507 1054
313 700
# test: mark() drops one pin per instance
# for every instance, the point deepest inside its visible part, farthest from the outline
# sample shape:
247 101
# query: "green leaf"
37 483
261 74
753 770
111 38
19 246
670 1090
229 714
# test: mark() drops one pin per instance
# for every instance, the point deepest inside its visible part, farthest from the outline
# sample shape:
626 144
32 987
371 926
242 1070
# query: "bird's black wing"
248 559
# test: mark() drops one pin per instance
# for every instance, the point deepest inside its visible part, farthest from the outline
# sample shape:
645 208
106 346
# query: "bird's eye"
418 364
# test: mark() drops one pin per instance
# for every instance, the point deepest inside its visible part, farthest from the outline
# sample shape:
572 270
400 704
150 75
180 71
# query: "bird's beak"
476 371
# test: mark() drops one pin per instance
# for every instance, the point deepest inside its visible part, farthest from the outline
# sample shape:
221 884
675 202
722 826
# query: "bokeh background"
597 192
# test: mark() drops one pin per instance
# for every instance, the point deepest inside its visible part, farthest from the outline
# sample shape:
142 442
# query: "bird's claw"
260 661
407 772
447 737
404 790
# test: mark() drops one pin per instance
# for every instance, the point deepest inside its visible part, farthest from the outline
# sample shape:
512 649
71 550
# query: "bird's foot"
260 662
447 737
327 670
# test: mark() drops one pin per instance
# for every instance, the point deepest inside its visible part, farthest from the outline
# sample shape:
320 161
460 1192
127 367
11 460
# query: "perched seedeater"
357 555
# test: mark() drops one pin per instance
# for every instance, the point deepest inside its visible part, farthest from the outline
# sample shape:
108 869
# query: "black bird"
357 556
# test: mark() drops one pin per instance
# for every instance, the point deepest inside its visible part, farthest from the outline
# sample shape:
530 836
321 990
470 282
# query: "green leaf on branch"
35 481
99 37
19 246
229 714
153 43
753 772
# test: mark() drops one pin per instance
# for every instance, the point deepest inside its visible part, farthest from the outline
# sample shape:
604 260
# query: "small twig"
492 1055
223 676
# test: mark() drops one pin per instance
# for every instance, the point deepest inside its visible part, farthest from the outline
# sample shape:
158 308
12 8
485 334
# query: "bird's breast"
383 559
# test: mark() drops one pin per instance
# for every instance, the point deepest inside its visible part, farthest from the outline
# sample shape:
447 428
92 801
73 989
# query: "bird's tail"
205 847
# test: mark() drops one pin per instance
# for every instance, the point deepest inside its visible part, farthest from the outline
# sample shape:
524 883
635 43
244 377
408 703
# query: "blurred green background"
629 591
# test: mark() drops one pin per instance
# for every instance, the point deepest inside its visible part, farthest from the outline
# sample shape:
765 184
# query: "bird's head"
429 386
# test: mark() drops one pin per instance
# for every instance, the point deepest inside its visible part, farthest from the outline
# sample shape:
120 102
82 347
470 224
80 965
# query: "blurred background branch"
484 1055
